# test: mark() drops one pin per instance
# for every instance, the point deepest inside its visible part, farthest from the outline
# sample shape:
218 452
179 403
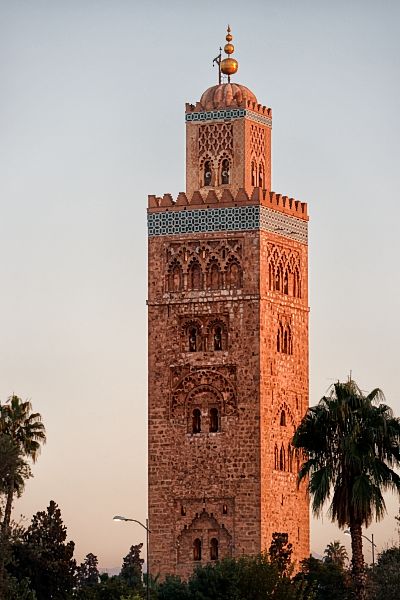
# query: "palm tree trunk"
357 560
5 526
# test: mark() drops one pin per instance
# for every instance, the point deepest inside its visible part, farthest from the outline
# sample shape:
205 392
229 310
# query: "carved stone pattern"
257 141
215 138
221 251
204 527
219 382
286 256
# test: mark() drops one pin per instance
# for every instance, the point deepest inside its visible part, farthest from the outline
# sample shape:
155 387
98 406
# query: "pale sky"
91 121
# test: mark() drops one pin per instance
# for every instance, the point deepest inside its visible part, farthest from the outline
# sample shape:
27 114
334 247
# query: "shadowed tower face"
228 343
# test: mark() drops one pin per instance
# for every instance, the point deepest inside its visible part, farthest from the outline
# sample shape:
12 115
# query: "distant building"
228 343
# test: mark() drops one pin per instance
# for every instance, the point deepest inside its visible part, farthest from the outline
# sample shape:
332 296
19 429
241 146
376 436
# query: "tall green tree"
45 558
384 579
27 432
131 570
87 572
351 446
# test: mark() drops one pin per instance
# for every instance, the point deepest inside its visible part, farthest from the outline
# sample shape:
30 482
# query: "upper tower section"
228 135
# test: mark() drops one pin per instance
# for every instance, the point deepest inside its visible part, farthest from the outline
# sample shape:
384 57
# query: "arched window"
224 509
285 342
296 284
196 421
278 279
195 276
214 420
175 278
282 459
225 171
197 549
193 339
279 338
214 277
217 338
253 173
207 173
261 176
286 283
214 549
276 458
270 276
283 419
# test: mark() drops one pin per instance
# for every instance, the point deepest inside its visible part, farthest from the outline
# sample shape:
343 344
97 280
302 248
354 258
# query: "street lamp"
146 527
371 541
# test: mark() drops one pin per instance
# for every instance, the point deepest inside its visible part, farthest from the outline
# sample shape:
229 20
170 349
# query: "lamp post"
371 541
146 527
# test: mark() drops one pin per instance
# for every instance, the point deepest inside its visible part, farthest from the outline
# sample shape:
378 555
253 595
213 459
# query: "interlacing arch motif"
204 388
284 271
196 265
215 138
257 141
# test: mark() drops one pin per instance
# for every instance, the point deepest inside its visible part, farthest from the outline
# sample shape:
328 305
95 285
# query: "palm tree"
27 432
351 447
336 553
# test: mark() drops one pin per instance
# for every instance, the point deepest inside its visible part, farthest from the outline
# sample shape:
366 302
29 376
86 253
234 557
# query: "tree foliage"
384 579
45 558
351 444
26 432
131 570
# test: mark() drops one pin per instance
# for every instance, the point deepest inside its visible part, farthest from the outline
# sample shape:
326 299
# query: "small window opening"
192 339
207 173
282 459
261 177
276 457
218 338
214 549
183 511
224 509
225 171
253 174
196 421
286 283
283 419
197 549
214 420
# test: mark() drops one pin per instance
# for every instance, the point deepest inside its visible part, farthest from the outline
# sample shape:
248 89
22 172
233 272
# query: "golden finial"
229 65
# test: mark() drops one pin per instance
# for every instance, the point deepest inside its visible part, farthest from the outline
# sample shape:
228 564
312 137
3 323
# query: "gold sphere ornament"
229 48
229 66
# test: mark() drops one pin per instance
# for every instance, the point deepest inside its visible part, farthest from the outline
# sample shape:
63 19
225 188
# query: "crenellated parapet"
203 199
219 210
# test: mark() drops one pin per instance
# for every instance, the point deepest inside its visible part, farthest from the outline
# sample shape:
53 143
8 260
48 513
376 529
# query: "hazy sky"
91 121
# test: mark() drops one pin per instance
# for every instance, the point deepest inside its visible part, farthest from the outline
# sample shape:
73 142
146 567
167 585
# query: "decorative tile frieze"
227 114
237 218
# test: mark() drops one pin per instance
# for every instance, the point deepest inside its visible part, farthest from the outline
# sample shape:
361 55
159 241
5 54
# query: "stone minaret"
228 343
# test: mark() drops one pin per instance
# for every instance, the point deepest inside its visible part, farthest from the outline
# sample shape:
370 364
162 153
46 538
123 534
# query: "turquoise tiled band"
236 218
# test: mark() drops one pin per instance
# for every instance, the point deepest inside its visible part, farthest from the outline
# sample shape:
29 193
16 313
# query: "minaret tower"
228 342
